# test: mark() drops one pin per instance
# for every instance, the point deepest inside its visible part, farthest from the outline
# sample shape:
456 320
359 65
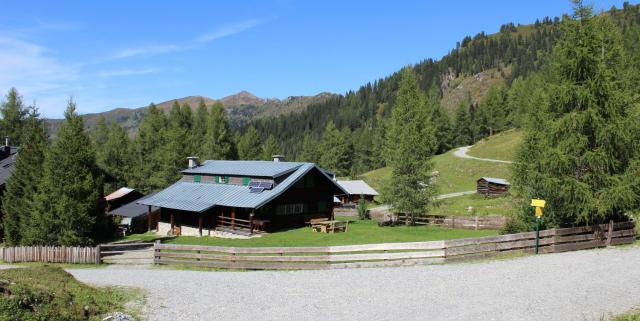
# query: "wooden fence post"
98 255
156 251
610 234
476 223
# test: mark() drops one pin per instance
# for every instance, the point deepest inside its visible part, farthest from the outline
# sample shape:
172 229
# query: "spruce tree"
22 185
270 148
335 151
309 149
218 143
13 114
199 129
249 145
66 205
152 167
580 152
439 118
410 146
114 156
462 128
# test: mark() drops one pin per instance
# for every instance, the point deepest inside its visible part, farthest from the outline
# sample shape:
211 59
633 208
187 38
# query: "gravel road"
462 153
583 285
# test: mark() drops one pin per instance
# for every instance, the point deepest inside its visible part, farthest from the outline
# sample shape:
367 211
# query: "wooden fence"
51 254
393 254
493 222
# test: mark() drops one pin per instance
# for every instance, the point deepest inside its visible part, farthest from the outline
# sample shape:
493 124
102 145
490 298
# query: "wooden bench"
330 226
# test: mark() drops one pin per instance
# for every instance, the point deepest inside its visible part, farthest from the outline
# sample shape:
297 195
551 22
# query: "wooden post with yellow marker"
539 205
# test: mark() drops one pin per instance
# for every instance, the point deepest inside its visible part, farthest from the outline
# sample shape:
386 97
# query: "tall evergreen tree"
463 135
335 151
439 118
249 145
100 131
114 156
22 185
152 168
13 113
218 143
310 151
199 130
580 153
69 192
410 145
270 148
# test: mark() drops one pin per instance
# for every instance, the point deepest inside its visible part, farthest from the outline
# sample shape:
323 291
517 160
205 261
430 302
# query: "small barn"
489 186
355 189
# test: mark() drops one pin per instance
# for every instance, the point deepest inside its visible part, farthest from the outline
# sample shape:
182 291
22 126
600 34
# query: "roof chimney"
278 158
193 162
6 140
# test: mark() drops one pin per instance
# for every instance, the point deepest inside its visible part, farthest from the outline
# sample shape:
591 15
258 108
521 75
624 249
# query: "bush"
50 293
363 213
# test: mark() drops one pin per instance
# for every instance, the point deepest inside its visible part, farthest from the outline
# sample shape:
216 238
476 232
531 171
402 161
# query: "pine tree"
114 155
493 111
270 148
410 145
580 152
249 145
13 114
441 121
100 131
152 168
66 206
335 151
309 149
462 129
22 185
199 130
218 143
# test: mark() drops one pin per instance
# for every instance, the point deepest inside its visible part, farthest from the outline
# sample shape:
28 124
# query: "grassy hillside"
456 174
502 146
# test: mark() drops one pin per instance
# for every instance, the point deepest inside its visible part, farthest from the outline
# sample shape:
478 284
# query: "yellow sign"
537 203
538 212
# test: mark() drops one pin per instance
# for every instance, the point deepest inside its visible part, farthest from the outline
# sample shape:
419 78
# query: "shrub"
363 213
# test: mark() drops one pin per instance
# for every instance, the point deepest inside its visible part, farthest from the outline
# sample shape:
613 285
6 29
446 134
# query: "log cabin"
489 186
243 197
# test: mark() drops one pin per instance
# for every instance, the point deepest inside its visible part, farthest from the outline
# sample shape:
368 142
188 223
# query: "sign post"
538 204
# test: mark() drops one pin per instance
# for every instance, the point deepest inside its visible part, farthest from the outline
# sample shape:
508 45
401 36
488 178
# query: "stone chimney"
278 158
193 161
5 151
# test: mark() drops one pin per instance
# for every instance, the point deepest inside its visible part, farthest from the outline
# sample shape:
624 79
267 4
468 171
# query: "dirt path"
583 285
462 153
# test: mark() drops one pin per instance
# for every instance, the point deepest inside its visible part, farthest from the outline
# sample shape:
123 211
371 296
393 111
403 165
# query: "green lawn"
482 206
360 232
633 315
456 174
500 146
50 293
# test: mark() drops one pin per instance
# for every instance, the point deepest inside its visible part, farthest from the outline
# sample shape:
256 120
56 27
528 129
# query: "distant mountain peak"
242 98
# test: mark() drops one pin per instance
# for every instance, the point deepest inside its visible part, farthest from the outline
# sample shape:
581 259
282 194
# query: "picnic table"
330 226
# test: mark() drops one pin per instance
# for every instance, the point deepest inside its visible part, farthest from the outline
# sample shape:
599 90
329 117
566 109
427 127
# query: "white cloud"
229 30
127 72
145 51
32 68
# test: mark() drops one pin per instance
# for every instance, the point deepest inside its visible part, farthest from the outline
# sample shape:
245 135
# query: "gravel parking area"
584 285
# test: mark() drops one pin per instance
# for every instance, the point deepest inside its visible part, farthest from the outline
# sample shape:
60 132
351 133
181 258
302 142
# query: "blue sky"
130 53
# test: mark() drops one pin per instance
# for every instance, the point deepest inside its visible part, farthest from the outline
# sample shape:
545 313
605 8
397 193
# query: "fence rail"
492 222
393 254
52 254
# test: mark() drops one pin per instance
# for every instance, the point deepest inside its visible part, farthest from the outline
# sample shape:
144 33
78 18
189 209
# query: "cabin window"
290 209
222 179
197 178
246 180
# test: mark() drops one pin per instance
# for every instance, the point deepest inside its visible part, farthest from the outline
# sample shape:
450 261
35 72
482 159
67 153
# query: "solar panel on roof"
256 189
266 185
254 184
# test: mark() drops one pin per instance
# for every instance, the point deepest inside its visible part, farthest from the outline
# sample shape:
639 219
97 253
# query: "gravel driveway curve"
582 285
461 152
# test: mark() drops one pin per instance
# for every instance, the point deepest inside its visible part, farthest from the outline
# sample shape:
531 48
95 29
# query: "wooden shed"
489 186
